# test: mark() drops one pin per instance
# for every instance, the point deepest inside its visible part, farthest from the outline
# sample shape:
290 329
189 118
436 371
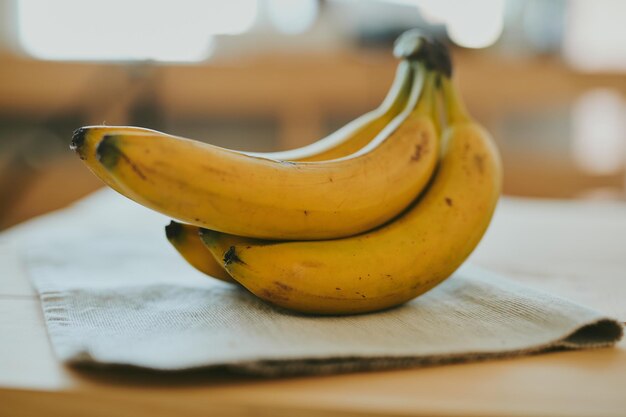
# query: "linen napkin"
114 292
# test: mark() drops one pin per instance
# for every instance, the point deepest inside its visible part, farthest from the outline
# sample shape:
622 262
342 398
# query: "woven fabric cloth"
114 292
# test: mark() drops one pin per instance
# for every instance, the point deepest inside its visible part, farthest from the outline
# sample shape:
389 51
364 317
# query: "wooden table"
576 250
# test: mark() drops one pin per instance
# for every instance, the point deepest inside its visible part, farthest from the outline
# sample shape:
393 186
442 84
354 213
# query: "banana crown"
411 45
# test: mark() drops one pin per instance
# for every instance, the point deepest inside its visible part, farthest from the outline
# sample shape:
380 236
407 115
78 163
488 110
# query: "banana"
249 196
394 263
342 142
350 138
186 240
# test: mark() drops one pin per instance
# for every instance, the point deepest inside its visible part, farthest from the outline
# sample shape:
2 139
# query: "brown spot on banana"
283 286
417 154
134 167
449 201
272 296
109 154
479 161
220 172
311 264
231 256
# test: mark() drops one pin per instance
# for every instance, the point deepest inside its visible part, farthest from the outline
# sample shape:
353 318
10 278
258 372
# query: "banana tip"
78 139
172 230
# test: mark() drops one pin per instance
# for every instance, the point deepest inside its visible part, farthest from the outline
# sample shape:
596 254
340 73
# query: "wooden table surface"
575 250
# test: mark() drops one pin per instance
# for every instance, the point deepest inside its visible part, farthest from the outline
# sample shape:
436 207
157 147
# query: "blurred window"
595 39
119 30
292 17
599 132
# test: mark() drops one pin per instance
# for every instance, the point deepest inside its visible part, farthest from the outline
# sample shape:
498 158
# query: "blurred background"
546 77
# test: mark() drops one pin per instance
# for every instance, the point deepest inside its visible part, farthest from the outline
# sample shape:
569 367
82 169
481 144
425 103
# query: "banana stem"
456 112
427 99
436 113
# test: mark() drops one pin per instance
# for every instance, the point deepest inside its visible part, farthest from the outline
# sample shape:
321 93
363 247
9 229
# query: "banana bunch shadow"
367 218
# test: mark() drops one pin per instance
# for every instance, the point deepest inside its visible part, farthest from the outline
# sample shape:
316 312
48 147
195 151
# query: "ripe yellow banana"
342 142
350 138
394 263
186 240
235 193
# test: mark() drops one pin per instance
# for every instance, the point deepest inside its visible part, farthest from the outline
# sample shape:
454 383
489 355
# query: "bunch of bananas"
367 218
